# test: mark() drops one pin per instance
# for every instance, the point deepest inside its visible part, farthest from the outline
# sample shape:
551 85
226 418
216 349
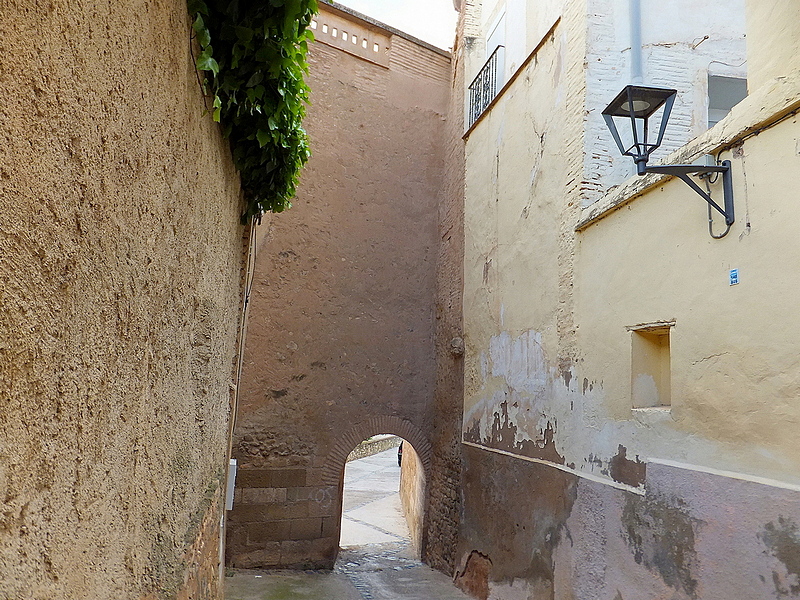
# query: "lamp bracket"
682 172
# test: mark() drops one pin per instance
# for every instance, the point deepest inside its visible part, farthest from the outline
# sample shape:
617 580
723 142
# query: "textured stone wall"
412 494
374 446
444 483
121 258
340 339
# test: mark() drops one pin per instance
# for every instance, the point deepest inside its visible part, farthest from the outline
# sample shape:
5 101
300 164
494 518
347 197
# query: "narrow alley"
377 560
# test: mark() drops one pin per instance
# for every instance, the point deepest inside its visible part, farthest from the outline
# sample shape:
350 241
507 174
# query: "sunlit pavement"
376 562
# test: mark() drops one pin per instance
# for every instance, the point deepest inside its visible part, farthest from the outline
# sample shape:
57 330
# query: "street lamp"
638 104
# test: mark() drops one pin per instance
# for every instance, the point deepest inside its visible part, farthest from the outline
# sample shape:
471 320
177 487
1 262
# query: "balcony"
485 86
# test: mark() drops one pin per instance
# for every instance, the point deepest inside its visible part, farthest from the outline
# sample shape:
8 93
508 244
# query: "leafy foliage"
254 56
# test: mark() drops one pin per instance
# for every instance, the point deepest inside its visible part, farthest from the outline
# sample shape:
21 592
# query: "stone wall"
374 445
340 339
121 279
412 494
444 482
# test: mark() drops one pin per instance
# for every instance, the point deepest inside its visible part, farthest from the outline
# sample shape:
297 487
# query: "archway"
409 480
383 498
337 457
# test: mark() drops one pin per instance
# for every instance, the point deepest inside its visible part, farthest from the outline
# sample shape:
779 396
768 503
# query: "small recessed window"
363 43
650 366
334 32
723 94
344 36
354 39
375 47
324 28
313 24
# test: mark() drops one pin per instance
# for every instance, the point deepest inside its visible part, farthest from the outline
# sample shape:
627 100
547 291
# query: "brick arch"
337 457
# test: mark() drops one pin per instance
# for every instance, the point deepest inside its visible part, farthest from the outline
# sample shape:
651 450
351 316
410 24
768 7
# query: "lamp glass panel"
644 100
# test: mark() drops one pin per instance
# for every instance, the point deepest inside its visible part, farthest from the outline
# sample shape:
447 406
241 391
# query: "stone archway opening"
383 497
417 469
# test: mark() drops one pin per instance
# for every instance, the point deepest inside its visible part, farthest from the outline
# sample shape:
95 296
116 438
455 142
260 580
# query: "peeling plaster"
624 470
661 536
519 361
525 403
474 577
783 541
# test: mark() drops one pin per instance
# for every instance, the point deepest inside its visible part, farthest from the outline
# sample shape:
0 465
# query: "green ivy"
254 56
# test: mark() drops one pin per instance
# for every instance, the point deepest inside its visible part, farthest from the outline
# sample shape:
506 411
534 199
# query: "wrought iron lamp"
639 104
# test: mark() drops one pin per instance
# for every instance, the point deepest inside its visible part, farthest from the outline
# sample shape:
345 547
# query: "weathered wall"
120 275
412 494
444 480
570 491
678 52
566 536
773 40
340 340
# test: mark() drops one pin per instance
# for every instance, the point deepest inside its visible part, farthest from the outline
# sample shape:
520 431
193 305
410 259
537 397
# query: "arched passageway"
388 498
291 516
383 498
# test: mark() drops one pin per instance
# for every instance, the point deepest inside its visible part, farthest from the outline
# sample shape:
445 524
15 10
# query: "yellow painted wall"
773 39
548 312
591 445
734 361
511 222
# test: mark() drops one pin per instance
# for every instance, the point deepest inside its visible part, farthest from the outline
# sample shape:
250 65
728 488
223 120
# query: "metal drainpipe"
635 15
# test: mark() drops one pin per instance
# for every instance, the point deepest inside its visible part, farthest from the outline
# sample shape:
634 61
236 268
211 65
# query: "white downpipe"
636 42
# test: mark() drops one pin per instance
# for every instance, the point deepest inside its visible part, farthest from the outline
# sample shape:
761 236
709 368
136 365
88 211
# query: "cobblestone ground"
376 562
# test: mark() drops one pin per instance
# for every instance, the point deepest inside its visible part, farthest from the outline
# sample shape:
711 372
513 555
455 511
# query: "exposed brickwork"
470 19
344 444
680 63
202 558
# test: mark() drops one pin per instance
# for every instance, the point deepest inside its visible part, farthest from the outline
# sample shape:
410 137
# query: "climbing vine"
253 53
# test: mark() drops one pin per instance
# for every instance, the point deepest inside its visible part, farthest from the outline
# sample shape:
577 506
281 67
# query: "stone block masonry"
293 527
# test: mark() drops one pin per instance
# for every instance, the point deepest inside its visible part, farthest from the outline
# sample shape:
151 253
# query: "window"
723 94
650 365
497 34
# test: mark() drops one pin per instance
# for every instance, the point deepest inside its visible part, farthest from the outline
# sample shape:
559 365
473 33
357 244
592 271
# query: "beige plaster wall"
773 40
512 223
568 491
734 365
120 277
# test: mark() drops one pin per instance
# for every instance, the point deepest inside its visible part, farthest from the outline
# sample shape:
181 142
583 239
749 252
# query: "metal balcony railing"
485 86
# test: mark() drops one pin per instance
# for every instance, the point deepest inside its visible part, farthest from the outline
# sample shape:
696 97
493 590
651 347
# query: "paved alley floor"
376 562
